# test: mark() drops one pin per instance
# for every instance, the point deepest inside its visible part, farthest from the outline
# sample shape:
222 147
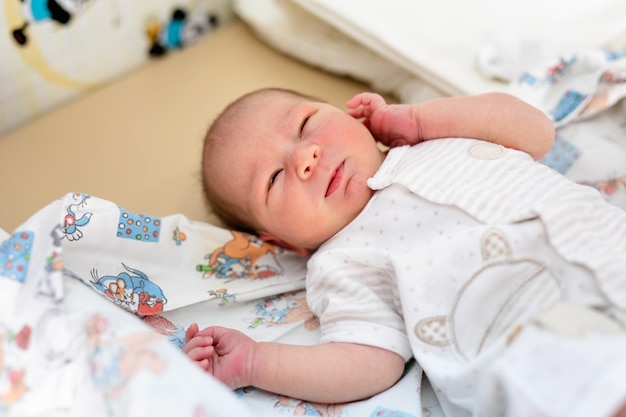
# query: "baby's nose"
307 158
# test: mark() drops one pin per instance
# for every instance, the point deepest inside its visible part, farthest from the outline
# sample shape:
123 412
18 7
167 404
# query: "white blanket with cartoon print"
82 274
583 93
94 302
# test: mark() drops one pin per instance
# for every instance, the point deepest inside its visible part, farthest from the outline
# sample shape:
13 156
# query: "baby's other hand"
392 125
364 105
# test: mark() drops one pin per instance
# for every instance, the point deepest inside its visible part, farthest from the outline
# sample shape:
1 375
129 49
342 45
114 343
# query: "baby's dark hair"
218 134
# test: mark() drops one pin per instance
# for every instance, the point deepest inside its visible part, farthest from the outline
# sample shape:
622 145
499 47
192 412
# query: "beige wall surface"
137 141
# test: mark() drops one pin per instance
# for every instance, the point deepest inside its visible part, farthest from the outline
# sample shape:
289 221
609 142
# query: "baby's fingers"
365 99
364 105
204 364
197 341
191 331
201 353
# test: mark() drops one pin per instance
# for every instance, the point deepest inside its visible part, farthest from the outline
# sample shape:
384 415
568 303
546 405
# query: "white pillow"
292 30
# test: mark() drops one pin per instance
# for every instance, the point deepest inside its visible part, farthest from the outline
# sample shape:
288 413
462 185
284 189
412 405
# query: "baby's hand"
199 349
224 353
392 125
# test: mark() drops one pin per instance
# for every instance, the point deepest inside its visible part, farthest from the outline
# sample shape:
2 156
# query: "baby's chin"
328 225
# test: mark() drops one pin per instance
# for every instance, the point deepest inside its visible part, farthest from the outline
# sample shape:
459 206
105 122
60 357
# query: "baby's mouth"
335 180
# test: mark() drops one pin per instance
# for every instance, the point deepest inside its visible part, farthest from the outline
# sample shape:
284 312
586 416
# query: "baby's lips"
335 180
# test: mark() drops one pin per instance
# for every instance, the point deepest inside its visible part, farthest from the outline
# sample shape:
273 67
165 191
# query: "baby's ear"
278 242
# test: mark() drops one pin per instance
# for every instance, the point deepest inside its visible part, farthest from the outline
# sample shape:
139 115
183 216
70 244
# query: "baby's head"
288 167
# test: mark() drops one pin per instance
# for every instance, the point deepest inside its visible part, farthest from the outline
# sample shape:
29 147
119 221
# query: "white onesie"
465 242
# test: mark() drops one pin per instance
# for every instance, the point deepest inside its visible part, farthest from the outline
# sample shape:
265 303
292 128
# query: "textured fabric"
499 186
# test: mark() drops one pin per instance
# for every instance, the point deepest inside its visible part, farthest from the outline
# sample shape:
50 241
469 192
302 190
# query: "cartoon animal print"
223 295
244 256
609 186
178 236
181 30
12 382
55 339
386 412
73 219
226 267
114 360
175 334
50 285
37 11
552 74
283 309
57 234
131 290
302 408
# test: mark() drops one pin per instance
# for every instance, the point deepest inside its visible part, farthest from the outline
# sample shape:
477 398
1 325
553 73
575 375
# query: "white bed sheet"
439 40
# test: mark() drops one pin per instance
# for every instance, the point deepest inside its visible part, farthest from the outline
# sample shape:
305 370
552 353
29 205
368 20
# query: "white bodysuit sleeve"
356 301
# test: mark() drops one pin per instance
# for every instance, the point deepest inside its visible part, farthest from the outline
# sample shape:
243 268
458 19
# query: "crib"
108 250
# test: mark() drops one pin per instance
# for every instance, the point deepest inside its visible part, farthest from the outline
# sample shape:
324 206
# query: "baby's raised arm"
327 373
494 117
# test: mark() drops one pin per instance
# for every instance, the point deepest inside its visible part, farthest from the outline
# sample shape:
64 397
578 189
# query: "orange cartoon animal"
244 256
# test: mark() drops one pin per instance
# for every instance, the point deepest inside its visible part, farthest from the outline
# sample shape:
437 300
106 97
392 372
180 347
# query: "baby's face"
301 169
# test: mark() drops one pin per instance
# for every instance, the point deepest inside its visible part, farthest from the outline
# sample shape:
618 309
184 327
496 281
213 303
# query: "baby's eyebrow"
298 114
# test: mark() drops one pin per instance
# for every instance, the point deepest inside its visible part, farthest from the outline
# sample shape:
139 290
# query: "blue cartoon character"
35 11
73 219
283 309
131 290
181 30
245 255
224 266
